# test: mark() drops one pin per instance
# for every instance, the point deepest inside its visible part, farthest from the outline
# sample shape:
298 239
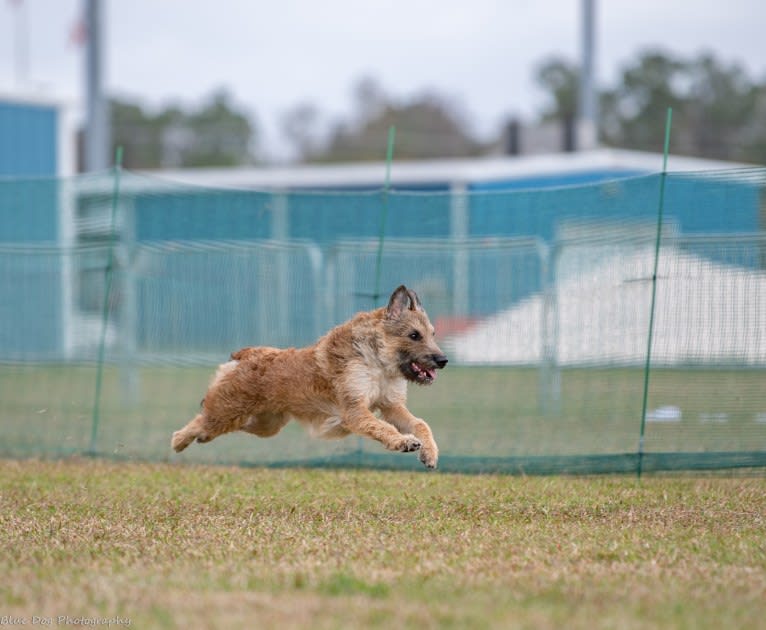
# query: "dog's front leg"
402 419
358 419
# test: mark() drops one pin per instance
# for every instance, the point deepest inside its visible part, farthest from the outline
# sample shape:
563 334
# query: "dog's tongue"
424 371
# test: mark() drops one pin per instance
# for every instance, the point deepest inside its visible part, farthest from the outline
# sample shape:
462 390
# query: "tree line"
719 112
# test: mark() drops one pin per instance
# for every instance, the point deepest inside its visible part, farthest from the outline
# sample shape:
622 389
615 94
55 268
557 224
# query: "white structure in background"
704 311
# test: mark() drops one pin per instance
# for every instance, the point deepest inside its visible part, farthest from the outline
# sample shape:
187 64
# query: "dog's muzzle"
440 360
424 373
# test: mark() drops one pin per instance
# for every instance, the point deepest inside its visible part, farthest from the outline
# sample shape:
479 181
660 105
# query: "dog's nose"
440 360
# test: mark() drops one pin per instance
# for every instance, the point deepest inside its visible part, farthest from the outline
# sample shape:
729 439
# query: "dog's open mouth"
423 374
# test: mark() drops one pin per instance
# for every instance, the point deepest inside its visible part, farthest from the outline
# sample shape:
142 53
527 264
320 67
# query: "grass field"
194 546
475 412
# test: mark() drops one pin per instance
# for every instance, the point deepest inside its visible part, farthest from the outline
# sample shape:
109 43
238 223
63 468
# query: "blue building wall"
30 286
28 153
524 207
30 304
203 215
28 211
28 139
699 205
530 207
695 204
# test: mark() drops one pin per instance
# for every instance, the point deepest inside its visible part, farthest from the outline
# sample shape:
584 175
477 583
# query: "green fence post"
384 214
108 274
660 211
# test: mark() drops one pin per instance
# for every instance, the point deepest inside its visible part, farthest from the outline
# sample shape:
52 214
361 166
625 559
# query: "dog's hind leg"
183 437
203 428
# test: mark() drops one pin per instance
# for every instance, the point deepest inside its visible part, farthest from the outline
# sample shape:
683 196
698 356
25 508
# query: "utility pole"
587 124
21 47
97 136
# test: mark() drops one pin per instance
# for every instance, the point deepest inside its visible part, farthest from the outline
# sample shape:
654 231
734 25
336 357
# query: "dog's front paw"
429 455
408 443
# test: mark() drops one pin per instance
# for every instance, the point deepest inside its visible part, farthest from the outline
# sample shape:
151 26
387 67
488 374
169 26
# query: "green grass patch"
475 412
345 584
194 546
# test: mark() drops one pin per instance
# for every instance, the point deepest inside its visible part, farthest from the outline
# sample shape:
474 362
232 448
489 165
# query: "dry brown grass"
173 546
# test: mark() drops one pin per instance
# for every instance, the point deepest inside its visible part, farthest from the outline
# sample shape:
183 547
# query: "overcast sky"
273 54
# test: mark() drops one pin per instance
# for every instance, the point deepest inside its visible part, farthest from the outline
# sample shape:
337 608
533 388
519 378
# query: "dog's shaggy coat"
335 386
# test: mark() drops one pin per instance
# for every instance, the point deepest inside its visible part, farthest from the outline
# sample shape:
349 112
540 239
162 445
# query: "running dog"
334 387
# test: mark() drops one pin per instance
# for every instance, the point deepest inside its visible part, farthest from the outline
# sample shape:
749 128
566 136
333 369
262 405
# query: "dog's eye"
415 335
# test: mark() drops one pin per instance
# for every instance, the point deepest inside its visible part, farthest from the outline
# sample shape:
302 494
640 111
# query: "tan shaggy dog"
335 386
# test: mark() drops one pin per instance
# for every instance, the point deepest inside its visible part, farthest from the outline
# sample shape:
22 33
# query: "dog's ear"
416 305
402 299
